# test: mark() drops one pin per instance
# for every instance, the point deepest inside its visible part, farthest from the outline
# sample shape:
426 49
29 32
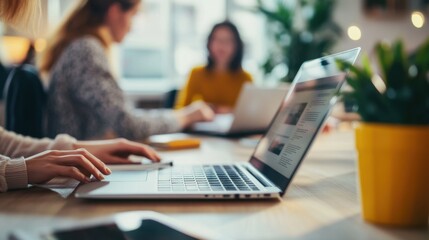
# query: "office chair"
170 98
3 78
25 100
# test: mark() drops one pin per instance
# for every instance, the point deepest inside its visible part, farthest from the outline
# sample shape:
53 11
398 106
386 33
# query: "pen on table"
140 167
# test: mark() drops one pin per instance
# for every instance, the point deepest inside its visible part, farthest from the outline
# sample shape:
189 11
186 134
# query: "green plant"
405 99
299 32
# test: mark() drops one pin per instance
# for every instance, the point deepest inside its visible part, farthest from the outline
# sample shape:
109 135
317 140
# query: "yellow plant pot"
394 174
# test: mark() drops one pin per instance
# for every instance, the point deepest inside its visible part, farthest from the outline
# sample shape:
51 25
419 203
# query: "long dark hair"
84 19
235 64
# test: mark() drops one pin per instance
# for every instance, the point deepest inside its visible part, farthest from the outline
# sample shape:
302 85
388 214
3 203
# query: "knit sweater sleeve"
15 146
95 88
13 172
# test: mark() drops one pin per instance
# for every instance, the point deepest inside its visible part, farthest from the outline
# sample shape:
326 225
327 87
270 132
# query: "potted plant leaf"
298 31
393 138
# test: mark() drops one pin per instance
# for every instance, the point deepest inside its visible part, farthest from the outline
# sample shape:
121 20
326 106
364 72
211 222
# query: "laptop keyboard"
204 178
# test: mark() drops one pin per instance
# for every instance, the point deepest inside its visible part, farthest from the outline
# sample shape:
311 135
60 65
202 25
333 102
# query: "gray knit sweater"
86 102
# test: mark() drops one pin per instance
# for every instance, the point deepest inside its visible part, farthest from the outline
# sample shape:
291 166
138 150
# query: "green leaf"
282 15
421 58
322 14
385 58
323 30
372 105
367 65
396 73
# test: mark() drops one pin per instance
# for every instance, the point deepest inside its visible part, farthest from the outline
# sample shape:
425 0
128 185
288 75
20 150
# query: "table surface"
321 203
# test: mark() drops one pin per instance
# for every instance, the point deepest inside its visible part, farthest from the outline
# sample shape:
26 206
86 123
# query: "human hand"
196 112
117 151
78 164
222 109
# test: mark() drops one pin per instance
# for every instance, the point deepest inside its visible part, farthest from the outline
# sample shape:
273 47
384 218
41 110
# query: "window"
167 40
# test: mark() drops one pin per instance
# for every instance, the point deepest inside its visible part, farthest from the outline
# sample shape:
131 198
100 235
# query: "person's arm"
16 146
117 151
79 163
31 166
40 168
13 174
188 92
110 151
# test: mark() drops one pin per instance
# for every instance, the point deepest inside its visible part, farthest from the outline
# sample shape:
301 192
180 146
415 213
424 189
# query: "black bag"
3 77
25 101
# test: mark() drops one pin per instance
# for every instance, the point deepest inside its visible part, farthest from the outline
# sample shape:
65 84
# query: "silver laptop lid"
299 118
256 107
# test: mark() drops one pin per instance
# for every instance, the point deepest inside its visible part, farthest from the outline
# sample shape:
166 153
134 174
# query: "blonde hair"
19 13
86 18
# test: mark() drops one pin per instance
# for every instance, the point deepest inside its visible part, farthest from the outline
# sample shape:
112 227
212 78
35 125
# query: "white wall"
350 12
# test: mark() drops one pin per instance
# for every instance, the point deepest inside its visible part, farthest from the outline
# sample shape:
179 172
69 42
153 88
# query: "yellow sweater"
219 89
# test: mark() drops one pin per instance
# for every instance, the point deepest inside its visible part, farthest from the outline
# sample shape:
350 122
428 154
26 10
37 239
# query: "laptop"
273 164
255 108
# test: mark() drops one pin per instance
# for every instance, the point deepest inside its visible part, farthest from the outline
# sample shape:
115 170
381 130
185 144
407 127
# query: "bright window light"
354 33
418 19
40 45
16 48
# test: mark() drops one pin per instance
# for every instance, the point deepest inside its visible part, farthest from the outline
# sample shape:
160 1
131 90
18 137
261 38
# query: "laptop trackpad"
127 176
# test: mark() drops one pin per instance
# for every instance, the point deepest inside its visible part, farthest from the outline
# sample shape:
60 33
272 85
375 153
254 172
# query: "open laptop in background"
255 108
272 166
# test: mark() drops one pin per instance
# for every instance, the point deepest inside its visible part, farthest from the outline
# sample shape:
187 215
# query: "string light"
354 33
418 19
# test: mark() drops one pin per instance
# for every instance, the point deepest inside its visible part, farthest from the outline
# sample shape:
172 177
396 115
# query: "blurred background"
169 37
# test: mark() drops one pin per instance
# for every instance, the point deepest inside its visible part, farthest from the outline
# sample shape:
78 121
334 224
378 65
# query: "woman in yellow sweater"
219 82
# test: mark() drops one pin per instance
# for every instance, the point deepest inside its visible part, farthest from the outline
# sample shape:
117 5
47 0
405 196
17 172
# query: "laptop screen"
299 118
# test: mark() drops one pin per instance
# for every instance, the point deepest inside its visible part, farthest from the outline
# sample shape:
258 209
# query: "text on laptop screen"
296 124
299 118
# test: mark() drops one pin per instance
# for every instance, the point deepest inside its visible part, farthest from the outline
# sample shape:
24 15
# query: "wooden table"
322 202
